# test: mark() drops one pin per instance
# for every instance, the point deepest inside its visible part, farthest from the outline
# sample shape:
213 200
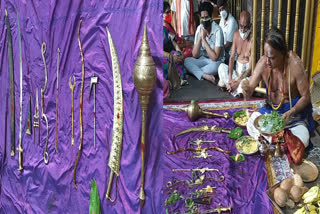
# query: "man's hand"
203 33
233 85
178 58
246 89
286 116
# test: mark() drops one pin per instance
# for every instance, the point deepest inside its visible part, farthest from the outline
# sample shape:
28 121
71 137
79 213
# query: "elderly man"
184 17
229 78
228 25
287 87
208 47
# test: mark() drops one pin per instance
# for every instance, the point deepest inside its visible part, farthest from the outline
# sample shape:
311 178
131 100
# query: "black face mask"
206 24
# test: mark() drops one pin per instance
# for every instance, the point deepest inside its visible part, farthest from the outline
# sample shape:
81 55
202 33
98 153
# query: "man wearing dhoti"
230 79
287 87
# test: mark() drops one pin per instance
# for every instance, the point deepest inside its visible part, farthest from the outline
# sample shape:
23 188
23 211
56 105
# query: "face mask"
224 14
244 35
206 23
168 18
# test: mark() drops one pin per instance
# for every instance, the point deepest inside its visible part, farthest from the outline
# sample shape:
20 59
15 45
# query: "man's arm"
212 53
232 57
197 44
249 86
227 45
174 21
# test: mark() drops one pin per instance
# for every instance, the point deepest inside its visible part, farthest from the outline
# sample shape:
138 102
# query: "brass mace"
194 111
144 78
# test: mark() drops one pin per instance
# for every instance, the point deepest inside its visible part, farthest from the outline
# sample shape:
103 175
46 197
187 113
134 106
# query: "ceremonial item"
198 142
117 130
36 119
72 86
44 116
93 82
12 102
198 149
219 209
56 138
29 126
195 183
202 200
19 149
247 145
194 111
202 170
81 107
205 129
144 78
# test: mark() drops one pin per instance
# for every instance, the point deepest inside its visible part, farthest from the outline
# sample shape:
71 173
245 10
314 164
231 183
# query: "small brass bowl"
239 124
256 125
240 145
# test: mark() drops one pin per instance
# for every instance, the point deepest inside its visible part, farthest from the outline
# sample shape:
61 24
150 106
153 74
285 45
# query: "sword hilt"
109 187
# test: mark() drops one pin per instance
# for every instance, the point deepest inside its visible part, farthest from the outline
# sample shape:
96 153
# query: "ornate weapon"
29 127
12 102
19 149
198 142
144 78
202 170
81 107
44 116
56 138
194 111
219 209
36 120
117 130
205 129
199 149
93 82
72 86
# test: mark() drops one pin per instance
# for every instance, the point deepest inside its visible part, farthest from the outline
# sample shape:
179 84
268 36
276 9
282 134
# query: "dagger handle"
109 186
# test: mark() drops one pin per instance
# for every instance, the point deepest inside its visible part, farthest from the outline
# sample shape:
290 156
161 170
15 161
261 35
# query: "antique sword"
219 209
44 116
202 170
81 107
204 129
36 119
56 138
19 149
117 130
12 102
93 82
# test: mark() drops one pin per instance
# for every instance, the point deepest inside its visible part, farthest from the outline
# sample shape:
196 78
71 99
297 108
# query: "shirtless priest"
230 79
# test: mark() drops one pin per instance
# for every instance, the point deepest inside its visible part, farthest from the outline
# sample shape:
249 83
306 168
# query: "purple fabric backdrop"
245 182
49 188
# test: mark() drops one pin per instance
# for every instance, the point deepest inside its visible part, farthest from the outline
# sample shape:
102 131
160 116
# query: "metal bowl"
238 124
256 125
307 170
239 145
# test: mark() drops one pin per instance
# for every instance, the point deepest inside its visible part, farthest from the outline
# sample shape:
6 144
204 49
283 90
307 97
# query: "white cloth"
185 13
223 72
214 39
228 29
300 130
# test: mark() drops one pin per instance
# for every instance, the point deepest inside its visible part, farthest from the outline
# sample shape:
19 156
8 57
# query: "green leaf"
235 133
242 158
94 199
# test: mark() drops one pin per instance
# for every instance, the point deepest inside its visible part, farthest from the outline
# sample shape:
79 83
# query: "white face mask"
224 14
244 35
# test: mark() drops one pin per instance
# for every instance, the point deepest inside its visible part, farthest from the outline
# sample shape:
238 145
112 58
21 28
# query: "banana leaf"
94 199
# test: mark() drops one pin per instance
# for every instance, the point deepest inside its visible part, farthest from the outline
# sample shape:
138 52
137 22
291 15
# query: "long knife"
117 130
12 103
19 149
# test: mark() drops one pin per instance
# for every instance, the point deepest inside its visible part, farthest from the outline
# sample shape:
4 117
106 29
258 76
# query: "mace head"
144 73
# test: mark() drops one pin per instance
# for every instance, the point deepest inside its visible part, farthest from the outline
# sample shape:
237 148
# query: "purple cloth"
245 182
41 188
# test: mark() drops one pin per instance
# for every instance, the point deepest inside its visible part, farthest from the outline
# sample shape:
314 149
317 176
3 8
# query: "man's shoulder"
215 27
232 20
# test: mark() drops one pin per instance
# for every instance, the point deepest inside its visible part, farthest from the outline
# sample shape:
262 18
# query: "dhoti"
223 72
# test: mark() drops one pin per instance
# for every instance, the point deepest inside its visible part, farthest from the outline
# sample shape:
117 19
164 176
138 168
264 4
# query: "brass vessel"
144 78
194 112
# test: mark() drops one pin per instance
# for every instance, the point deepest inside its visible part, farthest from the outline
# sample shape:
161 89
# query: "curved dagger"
19 149
199 149
12 102
204 129
81 107
117 130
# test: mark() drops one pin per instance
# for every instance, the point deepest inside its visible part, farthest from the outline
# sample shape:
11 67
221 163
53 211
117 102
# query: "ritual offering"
194 111
240 118
269 124
307 170
235 133
247 145
144 78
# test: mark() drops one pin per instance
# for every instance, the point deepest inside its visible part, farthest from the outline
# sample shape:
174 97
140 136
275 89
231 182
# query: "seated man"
287 87
228 25
208 47
241 46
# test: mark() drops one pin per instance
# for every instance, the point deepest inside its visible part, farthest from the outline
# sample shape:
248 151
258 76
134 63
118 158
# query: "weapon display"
144 78
72 86
219 209
19 149
93 82
204 129
117 130
81 108
12 102
56 138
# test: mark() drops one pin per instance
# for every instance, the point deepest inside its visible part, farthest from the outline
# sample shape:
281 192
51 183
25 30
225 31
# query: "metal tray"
307 170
